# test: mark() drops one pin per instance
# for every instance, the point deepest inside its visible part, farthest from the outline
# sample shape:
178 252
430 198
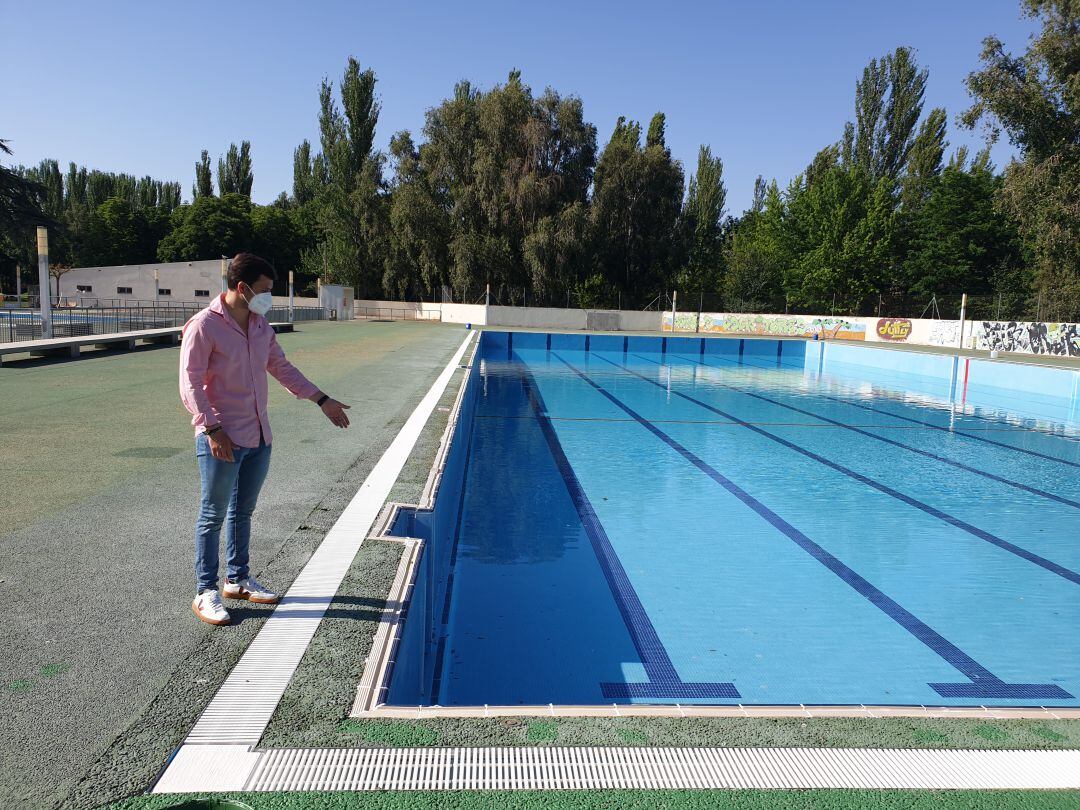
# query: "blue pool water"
728 521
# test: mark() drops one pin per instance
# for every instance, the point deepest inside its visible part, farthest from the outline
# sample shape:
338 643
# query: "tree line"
508 188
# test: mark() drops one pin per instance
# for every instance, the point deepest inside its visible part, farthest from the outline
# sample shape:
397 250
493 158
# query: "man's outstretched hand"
335 412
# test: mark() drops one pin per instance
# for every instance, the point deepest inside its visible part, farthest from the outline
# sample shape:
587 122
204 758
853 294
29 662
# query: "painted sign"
894 329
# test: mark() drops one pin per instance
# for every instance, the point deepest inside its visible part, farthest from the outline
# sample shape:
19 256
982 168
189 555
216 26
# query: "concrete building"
175 282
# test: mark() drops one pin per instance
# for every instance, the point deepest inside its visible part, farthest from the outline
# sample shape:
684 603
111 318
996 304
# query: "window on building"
164 291
84 288
123 290
202 293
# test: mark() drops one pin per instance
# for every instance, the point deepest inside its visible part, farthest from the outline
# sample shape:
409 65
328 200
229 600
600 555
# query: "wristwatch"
322 399
211 431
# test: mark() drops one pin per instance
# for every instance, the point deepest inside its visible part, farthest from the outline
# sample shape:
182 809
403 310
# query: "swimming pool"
725 521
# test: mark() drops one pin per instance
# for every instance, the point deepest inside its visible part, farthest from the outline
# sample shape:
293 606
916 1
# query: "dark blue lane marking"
984 684
664 680
960 465
949 429
933 511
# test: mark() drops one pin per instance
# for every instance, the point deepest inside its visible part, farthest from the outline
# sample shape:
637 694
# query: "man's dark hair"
248 268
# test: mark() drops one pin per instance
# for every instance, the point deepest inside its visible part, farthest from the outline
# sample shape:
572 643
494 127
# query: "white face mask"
261 303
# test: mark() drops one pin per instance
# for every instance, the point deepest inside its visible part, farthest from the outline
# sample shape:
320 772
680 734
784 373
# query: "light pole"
291 308
224 272
157 286
43 282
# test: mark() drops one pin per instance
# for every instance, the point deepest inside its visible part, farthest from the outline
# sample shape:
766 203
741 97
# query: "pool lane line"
938 427
933 511
944 460
983 682
664 680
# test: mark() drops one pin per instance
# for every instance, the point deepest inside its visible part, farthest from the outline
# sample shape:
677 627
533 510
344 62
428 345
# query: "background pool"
736 521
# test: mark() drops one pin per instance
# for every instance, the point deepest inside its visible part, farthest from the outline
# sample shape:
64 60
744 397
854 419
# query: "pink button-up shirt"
223 373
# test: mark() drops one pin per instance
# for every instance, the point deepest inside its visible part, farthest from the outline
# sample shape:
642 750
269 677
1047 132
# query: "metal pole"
700 302
224 274
18 285
674 298
43 282
291 307
963 315
157 286
487 295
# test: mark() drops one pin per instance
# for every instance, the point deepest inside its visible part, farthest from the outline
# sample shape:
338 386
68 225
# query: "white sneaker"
251 589
208 608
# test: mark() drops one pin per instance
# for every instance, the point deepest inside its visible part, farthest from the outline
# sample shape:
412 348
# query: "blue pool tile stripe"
663 677
983 682
926 453
974 531
955 431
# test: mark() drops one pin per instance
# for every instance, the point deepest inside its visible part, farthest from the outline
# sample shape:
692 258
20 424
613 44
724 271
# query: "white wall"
182 279
542 317
537 317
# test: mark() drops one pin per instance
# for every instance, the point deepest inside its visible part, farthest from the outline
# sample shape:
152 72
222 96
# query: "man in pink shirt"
227 350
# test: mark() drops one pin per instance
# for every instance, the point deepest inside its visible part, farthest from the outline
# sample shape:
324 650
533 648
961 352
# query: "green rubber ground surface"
104 668
643 800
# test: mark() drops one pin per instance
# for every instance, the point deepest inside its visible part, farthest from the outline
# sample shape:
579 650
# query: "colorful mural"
1060 339
784 326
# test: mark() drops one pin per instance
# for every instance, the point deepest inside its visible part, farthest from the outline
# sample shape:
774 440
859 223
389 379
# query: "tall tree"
888 103
1035 99
352 215
701 221
637 199
758 255
204 186
234 170
304 181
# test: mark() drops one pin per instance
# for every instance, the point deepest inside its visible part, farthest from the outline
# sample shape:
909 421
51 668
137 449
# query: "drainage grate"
639 767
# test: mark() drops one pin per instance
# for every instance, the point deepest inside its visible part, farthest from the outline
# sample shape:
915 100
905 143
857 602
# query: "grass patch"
632 736
397 735
542 731
991 732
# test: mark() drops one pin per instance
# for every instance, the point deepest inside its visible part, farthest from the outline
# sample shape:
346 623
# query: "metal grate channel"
633 767
242 707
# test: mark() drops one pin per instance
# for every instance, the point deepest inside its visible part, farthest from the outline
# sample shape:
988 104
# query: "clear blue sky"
143 87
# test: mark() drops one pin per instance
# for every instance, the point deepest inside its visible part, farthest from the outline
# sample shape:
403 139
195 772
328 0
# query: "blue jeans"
230 491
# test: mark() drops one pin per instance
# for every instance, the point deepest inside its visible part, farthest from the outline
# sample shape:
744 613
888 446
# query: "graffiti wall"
768 325
1059 339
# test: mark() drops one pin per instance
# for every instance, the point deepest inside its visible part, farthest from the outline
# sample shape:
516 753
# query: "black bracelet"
213 430
322 399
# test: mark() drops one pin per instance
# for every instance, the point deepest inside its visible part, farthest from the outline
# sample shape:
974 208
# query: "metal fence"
396 314
23 324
